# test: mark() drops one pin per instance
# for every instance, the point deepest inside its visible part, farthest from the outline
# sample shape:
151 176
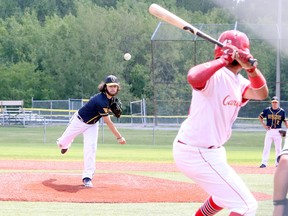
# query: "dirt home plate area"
51 181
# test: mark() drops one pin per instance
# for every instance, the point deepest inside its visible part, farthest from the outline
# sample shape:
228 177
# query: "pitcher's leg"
90 147
74 128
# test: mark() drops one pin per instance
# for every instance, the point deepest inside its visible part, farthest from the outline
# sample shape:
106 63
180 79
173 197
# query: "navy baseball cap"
111 80
275 99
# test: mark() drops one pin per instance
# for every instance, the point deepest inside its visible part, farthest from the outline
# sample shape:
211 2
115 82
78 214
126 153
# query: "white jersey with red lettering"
198 148
214 109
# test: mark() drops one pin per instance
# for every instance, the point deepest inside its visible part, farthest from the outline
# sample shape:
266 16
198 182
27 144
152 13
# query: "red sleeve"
200 74
244 100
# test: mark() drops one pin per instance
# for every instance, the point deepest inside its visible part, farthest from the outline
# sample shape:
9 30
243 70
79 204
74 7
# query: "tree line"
59 49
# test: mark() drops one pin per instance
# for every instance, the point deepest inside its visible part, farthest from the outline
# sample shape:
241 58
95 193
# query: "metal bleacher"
12 112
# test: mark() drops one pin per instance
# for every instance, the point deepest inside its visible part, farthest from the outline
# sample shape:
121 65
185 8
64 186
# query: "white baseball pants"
90 139
210 170
272 135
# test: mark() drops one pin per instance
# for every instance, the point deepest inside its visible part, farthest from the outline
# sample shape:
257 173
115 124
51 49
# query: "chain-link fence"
174 51
56 112
50 113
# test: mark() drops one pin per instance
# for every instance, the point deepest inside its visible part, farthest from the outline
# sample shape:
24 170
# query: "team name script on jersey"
230 102
274 116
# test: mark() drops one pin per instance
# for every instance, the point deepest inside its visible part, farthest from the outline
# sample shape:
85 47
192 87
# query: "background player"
86 121
274 115
219 91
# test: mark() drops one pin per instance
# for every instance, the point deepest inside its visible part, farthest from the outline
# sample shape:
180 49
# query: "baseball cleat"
87 182
262 166
63 151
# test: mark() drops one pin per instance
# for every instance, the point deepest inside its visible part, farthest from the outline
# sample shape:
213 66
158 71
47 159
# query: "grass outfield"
244 148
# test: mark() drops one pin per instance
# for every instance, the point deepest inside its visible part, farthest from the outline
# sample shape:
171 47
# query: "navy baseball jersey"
274 118
94 109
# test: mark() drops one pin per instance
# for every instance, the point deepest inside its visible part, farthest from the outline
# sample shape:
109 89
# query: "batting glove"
229 52
242 57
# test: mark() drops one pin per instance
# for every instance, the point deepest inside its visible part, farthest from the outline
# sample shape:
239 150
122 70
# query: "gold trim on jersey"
106 110
274 117
90 120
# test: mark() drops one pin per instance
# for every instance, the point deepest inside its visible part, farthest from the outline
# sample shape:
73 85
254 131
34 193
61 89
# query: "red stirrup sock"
208 208
235 214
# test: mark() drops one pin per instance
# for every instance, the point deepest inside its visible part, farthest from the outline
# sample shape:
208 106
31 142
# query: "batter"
219 91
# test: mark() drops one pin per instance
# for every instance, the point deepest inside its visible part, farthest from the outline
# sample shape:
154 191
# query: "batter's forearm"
258 84
200 74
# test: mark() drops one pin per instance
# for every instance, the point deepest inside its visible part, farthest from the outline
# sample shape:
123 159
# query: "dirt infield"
61 182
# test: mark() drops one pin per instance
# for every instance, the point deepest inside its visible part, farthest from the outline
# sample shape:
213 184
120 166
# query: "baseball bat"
174 20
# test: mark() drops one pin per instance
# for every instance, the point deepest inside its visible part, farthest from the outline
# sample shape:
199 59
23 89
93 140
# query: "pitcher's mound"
108 188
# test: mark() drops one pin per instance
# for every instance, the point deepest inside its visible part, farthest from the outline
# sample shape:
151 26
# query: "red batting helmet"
234 37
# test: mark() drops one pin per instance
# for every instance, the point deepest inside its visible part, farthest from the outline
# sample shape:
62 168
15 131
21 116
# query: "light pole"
279 37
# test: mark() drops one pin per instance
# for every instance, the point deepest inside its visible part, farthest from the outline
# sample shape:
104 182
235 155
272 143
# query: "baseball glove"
282 133
116 107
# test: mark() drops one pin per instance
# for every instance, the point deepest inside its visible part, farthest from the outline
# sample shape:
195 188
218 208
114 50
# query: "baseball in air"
127 56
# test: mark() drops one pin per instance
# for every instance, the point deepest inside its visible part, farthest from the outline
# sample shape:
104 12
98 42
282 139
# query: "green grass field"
35 143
